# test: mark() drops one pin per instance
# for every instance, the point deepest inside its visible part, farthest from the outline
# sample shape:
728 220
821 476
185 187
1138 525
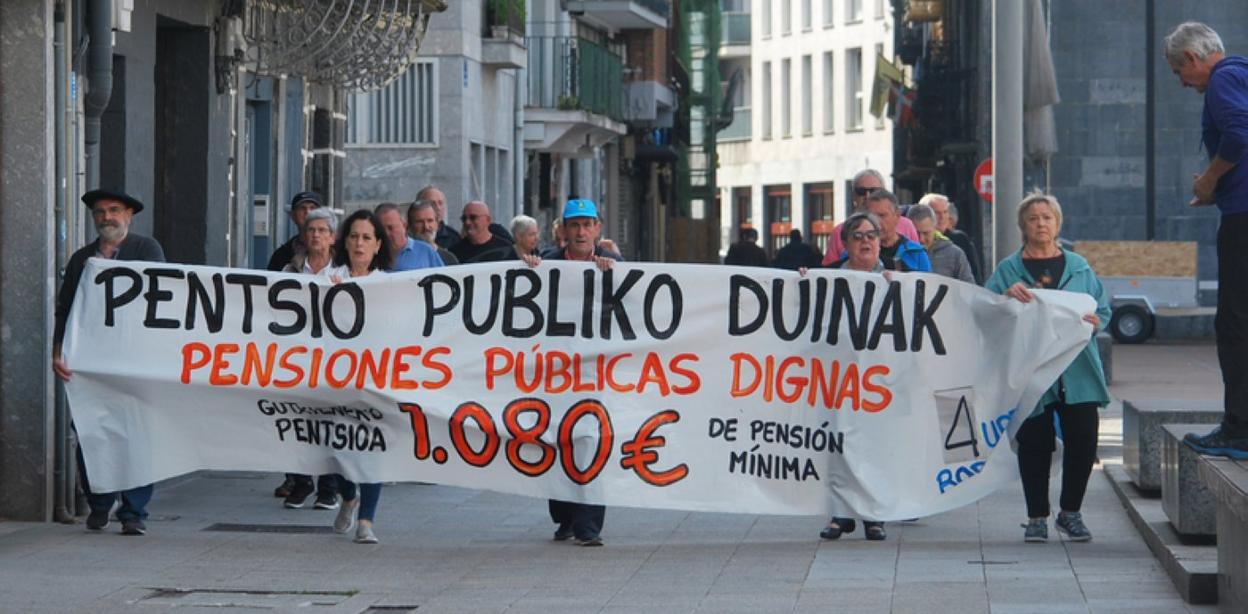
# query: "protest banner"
671 386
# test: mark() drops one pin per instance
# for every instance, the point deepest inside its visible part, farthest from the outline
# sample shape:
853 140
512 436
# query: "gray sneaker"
1071 523
1037 531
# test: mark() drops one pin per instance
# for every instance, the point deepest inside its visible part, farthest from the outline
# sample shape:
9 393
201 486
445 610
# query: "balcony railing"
739 129
736 29
572 73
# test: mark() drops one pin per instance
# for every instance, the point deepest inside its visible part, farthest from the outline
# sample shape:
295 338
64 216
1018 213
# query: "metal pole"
1007 124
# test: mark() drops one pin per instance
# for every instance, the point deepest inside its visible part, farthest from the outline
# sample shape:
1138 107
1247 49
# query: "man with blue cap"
581 228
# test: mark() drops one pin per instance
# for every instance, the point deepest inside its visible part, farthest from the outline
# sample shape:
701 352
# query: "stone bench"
1228 482
1188 503
1142 436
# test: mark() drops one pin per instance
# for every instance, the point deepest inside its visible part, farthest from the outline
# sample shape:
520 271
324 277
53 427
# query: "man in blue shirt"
1197 57
409 254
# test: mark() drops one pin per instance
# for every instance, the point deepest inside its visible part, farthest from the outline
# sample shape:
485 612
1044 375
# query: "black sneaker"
1218 443
298 496
133 527
564 532
283 491
874 530
326 502
1037 531
589 541
97 520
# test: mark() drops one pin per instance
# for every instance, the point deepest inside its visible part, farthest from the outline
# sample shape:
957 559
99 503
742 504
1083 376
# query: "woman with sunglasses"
861 235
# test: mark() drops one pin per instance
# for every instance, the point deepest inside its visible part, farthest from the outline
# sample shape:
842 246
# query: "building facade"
803 73
166 101
453 120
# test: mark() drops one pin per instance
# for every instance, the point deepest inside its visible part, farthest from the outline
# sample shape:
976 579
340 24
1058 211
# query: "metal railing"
570 73
740 128
736 29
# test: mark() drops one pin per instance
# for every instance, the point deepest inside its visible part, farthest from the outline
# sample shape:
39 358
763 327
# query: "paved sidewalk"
454 550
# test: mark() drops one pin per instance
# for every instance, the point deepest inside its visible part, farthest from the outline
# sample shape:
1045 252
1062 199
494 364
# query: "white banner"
652 385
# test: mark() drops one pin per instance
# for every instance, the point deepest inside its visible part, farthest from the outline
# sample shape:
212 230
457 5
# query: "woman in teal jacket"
1080 391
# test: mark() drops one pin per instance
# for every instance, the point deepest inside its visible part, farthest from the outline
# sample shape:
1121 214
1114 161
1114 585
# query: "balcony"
502 39
735 42
650 104
622 14
740 128
576 94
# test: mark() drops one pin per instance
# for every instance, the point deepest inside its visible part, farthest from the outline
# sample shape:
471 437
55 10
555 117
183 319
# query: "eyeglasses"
864 191
469 217
865 235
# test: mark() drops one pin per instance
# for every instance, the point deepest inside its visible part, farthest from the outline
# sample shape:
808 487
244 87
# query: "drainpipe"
100 60
519 159
63 483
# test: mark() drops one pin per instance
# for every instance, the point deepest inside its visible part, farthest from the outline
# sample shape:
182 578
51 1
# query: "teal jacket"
1084 379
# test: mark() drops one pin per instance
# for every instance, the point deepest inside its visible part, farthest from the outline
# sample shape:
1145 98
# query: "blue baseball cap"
580 207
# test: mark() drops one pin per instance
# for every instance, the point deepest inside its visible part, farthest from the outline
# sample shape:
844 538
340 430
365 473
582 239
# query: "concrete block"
1228 481
1141 433
1105 346
1189 504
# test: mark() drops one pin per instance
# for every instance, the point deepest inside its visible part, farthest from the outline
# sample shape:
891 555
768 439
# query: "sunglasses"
469 217
863 235
864 191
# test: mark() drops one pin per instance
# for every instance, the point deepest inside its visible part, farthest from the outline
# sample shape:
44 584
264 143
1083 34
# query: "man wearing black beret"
112 213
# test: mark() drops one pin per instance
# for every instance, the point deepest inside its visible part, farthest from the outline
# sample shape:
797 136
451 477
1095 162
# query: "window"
786 98
404 113
828 12
744 209
806 17
778 211
766 96
766 18
879 53
879 9
853 11
819 199
853 89
807 100
829 101
786 17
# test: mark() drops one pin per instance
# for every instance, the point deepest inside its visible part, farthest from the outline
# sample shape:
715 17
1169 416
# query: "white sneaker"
346 516
364 534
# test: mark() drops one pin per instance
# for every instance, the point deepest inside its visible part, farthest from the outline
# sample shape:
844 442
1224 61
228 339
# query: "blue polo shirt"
416 255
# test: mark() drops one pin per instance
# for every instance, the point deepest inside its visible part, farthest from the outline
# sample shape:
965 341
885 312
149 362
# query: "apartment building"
803 72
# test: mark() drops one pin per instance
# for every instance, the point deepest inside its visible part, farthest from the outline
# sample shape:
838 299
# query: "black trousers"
586 520
1037 439
1231 323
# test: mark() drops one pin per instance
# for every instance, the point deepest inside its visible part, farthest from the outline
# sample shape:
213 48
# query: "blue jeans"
369 495
133 501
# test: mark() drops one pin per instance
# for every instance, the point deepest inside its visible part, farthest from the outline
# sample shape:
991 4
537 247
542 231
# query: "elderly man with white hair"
1196 56
946 215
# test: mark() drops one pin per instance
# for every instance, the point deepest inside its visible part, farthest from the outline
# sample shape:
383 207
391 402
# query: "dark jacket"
746 253
447 236
284 254
133 247
963 241
1224 126
493 250
796 255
